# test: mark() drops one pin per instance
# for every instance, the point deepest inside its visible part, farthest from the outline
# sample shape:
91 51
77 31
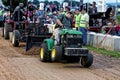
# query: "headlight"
69 36
78 36
74 36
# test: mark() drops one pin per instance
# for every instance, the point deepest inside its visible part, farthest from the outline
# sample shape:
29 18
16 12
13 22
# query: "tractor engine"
71 40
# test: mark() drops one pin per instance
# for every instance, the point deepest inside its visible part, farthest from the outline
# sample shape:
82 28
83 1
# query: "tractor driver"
19 12
63 21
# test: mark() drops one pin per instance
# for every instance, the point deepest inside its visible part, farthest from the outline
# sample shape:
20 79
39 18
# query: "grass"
104 52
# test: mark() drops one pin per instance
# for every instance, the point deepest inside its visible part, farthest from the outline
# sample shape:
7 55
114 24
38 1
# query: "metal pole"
81 1
71 3
116 9
27 9
10 6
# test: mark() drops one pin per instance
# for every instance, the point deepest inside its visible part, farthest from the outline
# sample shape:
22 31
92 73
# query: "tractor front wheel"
56 54
44 55
86 61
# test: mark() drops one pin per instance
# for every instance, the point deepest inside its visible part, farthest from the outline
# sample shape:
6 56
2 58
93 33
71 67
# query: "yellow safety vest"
77 20
82 20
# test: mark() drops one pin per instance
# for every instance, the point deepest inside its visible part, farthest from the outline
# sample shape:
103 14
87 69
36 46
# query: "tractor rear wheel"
56 54
86 61
15 38
7 28
44 55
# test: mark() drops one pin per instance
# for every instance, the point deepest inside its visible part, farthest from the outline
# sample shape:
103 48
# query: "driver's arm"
59 22
16 9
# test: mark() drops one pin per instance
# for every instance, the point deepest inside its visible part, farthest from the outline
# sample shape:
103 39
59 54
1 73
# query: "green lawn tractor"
69 49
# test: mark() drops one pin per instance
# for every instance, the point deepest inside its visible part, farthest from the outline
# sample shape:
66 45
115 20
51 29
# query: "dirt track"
15 65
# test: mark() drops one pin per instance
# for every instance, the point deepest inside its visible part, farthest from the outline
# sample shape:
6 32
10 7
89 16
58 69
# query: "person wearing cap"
63 21
77 19
19 12
84 25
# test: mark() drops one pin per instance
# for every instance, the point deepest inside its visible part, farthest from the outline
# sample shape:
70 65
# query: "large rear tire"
86 61
7 28
56 54
15 38
44 54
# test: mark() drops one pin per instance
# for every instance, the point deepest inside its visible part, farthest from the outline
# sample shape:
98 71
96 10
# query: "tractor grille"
74 41
76 51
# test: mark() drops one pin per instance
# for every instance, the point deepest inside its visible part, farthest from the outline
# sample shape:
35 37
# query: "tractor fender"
50 43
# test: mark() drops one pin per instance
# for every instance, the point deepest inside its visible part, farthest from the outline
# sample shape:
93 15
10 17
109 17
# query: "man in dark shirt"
63 21
19 12
94 7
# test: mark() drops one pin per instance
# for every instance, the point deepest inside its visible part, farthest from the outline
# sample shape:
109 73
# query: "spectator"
19 12
103 30
100 24
84 25
62 10
67 9
77 19
111 29
39 13
117 28
6 15
48 8
54 8
93 8
55 16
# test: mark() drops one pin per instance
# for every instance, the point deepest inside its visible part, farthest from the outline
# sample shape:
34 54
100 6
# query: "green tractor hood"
70 31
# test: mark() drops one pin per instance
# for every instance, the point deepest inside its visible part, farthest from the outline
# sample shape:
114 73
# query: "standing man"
77 19
64 20
19 12
94 8
84 25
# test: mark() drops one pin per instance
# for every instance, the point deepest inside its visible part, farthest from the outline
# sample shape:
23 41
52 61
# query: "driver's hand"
61 25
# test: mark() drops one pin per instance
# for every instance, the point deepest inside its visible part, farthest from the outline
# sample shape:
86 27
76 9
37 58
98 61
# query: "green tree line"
16 2
13 2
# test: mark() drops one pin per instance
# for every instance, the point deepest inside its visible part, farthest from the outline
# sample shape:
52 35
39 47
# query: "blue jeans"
84 34
118 34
